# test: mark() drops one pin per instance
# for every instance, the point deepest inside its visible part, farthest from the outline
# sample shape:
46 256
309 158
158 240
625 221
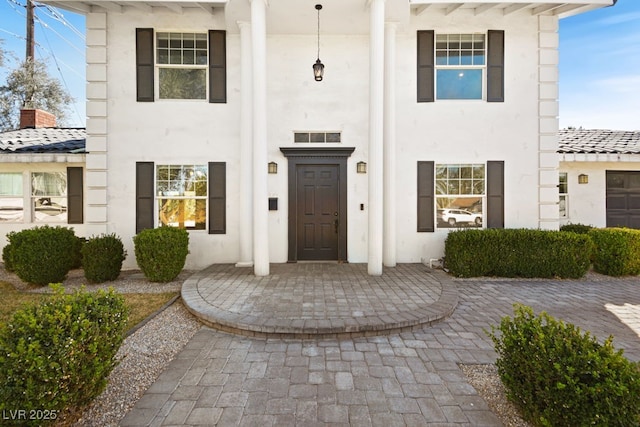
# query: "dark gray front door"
623 199
318 219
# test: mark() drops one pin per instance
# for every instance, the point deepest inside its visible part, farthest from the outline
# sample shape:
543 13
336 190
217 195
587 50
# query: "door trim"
317 156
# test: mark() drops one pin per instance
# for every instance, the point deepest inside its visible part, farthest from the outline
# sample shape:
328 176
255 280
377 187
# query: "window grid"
460 62
460 194
182 196
181 62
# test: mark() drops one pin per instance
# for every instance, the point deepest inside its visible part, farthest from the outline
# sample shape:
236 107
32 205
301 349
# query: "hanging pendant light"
318 67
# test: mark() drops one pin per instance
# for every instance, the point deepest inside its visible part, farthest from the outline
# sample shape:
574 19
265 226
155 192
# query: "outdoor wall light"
273 167
583 179
318 67
361 167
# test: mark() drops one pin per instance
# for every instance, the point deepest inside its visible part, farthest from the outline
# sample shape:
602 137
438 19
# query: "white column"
389 242
376 127
260 191
246 141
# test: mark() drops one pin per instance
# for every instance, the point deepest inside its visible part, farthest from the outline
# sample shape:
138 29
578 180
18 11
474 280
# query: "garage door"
623 199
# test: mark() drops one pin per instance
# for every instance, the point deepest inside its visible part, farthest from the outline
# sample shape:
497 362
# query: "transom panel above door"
317 203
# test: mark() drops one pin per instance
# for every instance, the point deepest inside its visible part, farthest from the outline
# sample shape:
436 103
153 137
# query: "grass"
141 305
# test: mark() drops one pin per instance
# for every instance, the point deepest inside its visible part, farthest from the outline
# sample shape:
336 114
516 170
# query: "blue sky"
599 61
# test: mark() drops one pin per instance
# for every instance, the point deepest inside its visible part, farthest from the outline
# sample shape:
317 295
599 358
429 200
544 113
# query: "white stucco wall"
178 132
586 203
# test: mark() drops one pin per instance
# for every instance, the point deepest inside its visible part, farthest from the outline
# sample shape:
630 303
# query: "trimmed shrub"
42 255
617 251
7 254
517 253
102 258
558 376
58 354
77 252
576 228
161 252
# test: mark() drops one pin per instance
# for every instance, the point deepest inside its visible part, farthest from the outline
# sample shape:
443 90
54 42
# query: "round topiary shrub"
102 258
161 252
42 255
58 354
7 256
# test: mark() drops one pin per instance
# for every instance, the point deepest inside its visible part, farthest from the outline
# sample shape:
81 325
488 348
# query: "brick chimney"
34 119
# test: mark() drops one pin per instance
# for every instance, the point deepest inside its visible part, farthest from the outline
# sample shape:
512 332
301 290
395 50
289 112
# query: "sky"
599 61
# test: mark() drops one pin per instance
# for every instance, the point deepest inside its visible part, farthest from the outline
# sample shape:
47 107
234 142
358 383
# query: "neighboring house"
206 115
600 177
41 175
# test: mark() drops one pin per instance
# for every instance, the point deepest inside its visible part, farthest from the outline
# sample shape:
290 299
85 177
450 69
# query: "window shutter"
144 196
495 66
75 199
495 194
217 66
217 197
425 66
144 64
426 190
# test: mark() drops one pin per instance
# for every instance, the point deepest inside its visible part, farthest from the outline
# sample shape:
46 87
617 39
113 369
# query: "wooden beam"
483 8
515 7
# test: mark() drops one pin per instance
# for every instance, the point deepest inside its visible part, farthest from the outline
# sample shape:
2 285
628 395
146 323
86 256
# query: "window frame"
460 67
20 196
450 181
180 66
158 198
563 196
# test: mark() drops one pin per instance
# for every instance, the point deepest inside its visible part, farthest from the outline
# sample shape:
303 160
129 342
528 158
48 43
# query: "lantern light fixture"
273 167
583 179
361 167
318 67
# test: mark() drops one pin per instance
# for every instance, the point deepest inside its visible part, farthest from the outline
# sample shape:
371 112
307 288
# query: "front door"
317 216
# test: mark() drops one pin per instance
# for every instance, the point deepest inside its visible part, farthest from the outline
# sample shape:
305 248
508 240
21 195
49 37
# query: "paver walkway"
409 378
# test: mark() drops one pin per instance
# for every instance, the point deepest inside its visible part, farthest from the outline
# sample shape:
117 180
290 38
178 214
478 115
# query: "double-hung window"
460 195
182 196
49 196
181 65
181 61
460 64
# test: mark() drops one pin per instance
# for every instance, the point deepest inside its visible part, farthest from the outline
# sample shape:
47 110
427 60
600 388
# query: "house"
600 177
41 174
209 115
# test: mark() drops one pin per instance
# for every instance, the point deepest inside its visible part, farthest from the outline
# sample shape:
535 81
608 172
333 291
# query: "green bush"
558 376
517 253
42 255
102 258
7 254
58 354
77 252
576 228
161 252
617 251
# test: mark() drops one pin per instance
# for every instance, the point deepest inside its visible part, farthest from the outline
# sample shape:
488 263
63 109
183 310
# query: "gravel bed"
485 379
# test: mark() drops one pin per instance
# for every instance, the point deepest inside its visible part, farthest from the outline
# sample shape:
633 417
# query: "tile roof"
43 140
597 141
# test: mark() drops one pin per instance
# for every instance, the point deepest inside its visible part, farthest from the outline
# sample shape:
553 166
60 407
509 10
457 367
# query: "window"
184 65
11 200
460 63
315 137
563 189
459 190
49 196
182 196
460 66
191 196
181 60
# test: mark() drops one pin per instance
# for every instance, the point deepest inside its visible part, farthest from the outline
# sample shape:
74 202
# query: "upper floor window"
460 63
181 60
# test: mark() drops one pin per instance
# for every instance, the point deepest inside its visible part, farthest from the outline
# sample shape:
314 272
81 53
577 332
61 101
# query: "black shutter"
75 199
495 66
425 66
144 64
217 197
495 194
144 195
217 66
426 191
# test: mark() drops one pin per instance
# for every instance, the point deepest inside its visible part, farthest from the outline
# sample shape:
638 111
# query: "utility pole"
31 42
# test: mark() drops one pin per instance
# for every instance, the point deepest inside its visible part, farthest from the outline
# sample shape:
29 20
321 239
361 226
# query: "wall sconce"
583 179
273 167
361 167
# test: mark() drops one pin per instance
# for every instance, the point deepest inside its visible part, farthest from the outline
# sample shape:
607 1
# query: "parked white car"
456 216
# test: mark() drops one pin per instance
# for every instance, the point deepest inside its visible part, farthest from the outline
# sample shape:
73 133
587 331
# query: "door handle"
335 224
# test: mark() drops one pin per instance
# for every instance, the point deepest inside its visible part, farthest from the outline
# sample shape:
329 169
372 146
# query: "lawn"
141 305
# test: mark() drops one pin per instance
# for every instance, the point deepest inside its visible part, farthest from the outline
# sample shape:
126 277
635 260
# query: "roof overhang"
42 158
